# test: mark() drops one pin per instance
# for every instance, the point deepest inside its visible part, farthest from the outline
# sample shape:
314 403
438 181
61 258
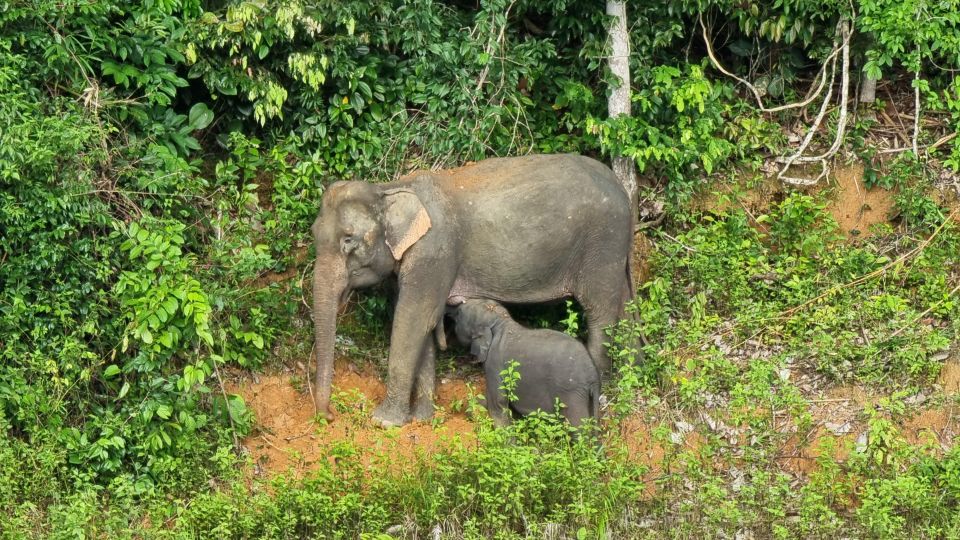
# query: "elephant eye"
348 243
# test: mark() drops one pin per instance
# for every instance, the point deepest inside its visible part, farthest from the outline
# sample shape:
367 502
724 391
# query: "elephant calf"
552 365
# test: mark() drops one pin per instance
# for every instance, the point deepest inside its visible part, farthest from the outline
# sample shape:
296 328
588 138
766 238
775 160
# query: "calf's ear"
480 345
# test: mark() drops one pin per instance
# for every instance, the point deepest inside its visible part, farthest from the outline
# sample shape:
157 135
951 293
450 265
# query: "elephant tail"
633 316
595 401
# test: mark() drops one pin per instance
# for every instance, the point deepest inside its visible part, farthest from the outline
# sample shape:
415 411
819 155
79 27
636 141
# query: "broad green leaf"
200 116
164 411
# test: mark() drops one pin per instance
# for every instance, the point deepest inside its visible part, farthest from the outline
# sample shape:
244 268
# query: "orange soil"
637 436
938 424
856 208
288 439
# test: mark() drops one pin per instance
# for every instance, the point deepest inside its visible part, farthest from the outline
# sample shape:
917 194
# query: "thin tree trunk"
619 101
868 91
868 94
868 86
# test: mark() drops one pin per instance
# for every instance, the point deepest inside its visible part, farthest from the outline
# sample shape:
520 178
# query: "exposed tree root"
798 157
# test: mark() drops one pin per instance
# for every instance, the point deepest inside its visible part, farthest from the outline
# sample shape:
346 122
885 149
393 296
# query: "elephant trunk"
329 285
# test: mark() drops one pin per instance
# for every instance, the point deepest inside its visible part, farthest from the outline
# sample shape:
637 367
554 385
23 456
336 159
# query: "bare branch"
841 46
788 161
811 96
916 112
844 99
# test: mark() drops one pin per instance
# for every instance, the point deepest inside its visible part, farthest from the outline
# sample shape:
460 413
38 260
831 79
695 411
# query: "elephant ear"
480 345
405 220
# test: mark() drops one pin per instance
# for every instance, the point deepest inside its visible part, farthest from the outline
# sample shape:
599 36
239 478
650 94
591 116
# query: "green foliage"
359 82
161 162
908 33
806 294
921 37
509 379
802 226
677 117
78 43
949 101
114 310
491 489
571 323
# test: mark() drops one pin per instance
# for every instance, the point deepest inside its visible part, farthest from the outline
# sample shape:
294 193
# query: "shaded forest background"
161 162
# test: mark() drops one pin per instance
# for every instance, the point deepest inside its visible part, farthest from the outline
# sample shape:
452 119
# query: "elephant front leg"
394 410
497 404
425 388
411 340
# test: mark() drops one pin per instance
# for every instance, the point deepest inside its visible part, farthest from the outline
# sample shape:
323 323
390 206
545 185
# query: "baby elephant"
552 365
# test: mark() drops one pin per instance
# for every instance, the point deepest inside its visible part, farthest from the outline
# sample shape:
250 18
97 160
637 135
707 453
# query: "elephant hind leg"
602 297
602 305
576 410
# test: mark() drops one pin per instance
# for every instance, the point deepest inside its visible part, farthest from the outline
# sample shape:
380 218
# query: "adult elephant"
524 230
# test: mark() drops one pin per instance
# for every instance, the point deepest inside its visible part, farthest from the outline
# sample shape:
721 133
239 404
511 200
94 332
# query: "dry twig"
916 112
226 404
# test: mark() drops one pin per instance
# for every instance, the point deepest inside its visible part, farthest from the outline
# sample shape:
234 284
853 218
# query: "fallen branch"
266 440
926 312
916 112
942 141
932 146
643 225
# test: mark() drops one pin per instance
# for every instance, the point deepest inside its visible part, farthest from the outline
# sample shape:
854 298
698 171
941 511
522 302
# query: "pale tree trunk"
868 94
619 101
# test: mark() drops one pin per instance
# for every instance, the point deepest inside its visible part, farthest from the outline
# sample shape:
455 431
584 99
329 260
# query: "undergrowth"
874 312
161 162
738 311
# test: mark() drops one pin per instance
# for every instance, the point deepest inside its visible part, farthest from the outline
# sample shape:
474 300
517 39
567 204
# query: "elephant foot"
387 416
423 409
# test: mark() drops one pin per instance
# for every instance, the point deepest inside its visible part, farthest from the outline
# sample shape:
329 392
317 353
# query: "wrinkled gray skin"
552 365
527 230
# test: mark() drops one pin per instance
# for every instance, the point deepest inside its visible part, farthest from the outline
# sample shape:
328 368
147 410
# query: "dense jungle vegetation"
161 162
